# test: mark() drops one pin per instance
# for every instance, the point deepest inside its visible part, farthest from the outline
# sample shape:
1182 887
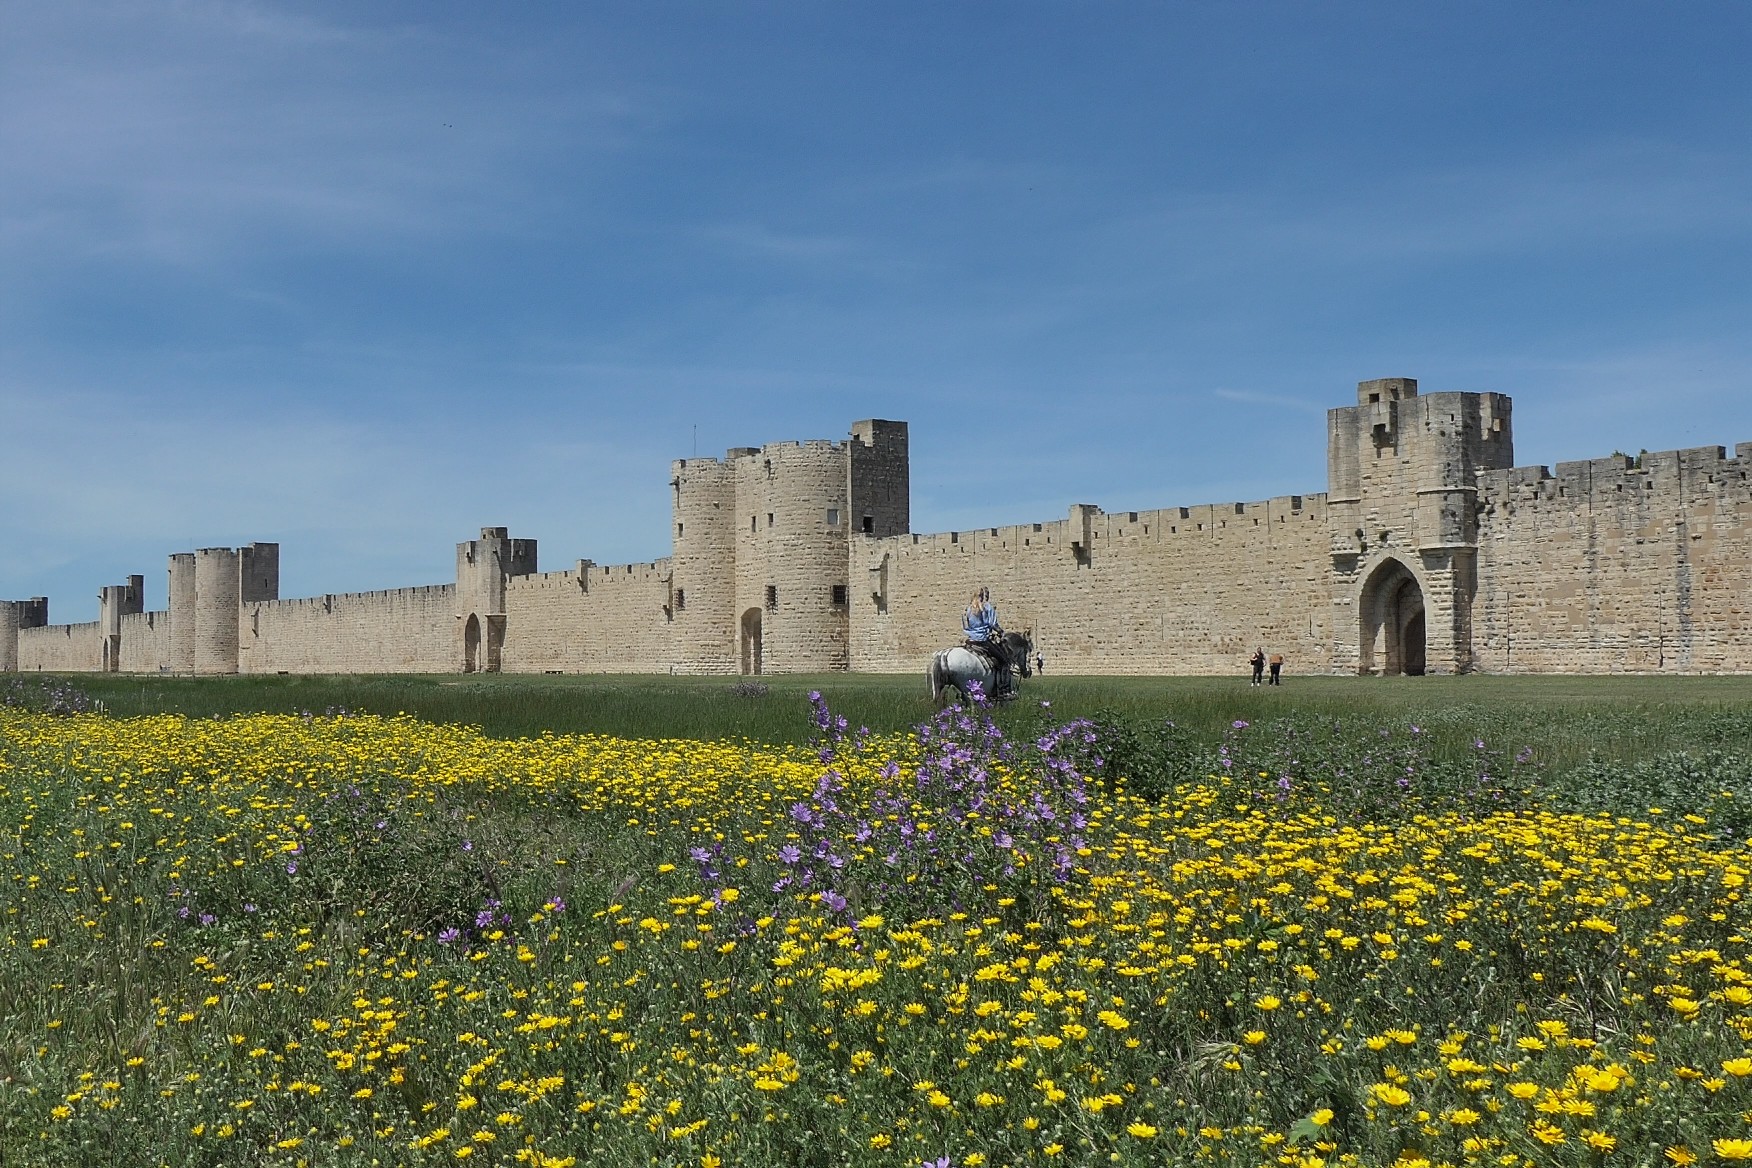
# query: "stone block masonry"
1430 551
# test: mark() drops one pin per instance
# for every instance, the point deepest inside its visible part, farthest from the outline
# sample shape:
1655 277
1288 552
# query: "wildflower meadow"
361 940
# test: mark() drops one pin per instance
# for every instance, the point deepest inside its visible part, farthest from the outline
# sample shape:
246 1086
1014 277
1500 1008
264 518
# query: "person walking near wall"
1258 663
1277 667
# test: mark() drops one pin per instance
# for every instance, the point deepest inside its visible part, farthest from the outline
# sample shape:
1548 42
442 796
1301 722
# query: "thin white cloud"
1275 400
241 127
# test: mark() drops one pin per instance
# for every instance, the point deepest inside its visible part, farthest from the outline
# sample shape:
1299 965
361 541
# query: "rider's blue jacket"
980 622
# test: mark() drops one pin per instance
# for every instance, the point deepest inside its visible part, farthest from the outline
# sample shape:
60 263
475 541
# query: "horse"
959 667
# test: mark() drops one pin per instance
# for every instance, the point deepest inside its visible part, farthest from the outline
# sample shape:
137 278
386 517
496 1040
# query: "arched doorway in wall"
751 641
471 644
1391 617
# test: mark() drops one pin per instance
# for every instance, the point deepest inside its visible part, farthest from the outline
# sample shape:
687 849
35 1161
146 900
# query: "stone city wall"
60 648
591 619
399 630
145 642
1617 564
1178 590
1429 551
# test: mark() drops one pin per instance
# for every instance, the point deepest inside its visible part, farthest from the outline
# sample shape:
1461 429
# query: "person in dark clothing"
1258 663
1277 667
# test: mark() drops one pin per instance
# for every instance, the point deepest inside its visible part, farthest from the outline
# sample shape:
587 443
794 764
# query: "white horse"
959 667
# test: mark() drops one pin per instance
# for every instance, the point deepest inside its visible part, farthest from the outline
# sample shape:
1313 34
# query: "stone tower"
1402 512
114 602
14 616
760 563
702 593
482 567
8 636
208 589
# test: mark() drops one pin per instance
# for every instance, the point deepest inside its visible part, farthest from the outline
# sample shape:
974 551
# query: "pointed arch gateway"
1392 628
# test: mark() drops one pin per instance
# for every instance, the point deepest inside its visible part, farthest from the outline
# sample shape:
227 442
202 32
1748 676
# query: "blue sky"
363 278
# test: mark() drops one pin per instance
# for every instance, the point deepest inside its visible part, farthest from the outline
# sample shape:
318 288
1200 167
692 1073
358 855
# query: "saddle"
986 649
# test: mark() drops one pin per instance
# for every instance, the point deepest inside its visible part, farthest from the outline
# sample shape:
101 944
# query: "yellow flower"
1738 1067
1681 1155
1322 1117
1547 1133
1391 1095
1732 1149
1599 1141
1142 1131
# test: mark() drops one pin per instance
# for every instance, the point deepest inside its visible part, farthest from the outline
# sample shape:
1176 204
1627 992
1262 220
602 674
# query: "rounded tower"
8 636
791 554
218 603
182 613
702 585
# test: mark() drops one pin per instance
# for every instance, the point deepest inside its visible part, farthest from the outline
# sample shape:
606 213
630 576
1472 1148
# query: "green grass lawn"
1567 720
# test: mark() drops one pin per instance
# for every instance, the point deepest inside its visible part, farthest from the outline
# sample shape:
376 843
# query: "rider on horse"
979 624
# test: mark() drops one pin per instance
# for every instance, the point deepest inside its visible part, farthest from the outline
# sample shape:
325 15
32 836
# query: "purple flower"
1238 724
790 854
208 918
468 845
449 935
556 905
292 869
